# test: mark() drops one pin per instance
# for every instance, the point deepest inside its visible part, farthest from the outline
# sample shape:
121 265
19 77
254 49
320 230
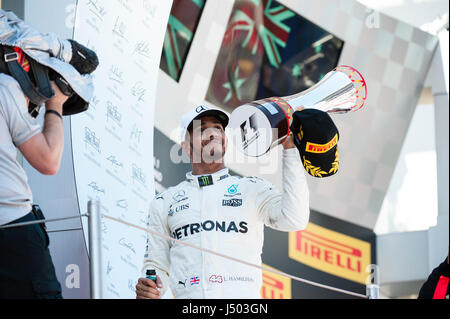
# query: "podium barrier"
94 221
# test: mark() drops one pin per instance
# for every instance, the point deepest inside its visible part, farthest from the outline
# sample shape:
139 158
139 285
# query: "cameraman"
36 69
26 267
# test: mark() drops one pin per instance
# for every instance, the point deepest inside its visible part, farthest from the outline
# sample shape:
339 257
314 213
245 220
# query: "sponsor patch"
321 148
210 225
232 190
195 280
178 209
205 180
218 279
223 177
234 202
179 196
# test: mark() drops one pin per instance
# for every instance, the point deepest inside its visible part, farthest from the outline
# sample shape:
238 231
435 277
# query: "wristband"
54 112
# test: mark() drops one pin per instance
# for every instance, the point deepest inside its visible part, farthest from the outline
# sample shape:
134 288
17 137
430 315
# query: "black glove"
83 59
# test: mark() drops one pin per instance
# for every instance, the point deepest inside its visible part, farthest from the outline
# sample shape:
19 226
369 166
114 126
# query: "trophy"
259 126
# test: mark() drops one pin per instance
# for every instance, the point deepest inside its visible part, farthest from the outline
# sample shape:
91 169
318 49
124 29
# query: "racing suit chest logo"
210 225
179 197
233 202
178 209
232 190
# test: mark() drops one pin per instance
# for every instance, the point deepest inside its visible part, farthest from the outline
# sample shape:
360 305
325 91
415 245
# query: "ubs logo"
178 209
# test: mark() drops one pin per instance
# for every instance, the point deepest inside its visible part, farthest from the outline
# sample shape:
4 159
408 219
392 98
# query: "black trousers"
26 267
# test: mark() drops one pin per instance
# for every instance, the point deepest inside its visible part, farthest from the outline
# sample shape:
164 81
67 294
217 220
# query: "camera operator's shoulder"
7 82
11 95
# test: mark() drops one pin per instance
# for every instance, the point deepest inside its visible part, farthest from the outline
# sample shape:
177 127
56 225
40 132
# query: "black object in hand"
83 59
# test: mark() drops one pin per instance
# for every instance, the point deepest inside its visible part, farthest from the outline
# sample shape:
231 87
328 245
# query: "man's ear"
226 143
186 148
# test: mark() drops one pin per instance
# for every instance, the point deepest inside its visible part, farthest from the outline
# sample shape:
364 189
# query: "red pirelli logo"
275 286
330 251
321 148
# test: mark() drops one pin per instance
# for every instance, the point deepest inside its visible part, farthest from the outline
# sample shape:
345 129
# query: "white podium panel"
113 141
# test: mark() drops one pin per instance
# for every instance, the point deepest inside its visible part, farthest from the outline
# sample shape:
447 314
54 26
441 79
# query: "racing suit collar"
208 179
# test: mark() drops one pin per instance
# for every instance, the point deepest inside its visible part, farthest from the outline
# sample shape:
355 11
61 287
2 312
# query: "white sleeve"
287 210
157 254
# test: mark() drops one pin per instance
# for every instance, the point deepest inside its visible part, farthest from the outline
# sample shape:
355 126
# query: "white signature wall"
112 142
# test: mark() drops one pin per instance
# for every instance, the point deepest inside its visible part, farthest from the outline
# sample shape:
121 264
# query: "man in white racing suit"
219 212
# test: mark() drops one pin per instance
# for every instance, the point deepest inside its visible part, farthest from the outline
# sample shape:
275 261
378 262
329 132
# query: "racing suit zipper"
202 241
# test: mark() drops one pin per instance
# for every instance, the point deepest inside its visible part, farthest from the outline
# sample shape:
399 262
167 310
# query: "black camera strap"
9 65
40 74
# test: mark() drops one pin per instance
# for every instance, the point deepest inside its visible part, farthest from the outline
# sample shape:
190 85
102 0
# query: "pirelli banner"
329 251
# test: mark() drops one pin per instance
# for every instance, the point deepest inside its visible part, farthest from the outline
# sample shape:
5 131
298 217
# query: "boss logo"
232 202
